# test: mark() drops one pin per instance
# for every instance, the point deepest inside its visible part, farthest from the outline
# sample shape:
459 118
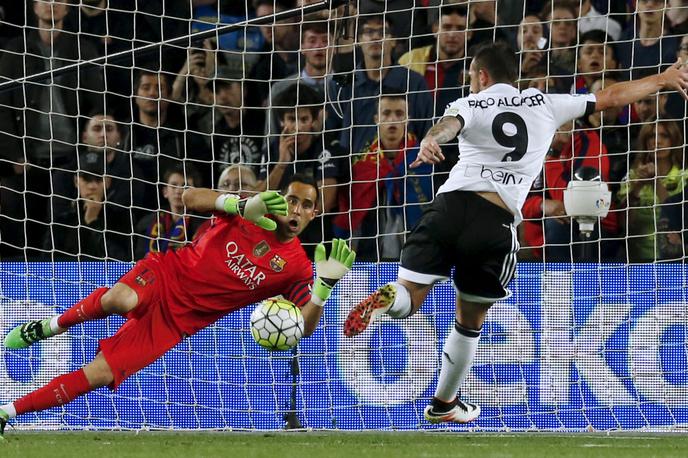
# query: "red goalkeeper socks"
87 309
59 391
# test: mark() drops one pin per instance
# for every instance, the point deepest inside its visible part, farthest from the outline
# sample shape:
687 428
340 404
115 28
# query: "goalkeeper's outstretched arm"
200 199
329 270
253 209
624 93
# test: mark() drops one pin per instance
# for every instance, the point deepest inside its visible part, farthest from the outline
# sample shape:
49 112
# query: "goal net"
109 109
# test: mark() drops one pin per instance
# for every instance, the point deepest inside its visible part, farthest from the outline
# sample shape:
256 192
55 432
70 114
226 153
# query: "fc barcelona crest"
277 263
145 277
260 249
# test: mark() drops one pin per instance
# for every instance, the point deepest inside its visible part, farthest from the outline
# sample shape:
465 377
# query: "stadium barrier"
577 347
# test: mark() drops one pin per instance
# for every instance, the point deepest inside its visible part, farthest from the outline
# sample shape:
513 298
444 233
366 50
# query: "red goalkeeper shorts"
148 332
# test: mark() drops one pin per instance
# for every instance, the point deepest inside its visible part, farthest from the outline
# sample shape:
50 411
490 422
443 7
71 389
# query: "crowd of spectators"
94 159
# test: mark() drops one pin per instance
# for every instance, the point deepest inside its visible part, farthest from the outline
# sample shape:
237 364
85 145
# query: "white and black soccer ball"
276 324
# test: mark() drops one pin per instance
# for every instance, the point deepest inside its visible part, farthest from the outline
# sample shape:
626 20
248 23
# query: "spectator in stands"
157 139
658 172
88 230
595 58
152 139
102 141
238 178
644 43
109 26
675 105
46 110
674 217
303 149
683 49
343 20
672 240
561 18
354 106
612 128
316 37
650 107
159 20
677 15
408 20
484 24
443 63
279 58
193 88
267 8
540 79
532 44
574 154
444 66
385 197
590 19
238 132
169 228
235 179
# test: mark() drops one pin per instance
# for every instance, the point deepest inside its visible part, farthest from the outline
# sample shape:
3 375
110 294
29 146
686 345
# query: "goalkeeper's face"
302 199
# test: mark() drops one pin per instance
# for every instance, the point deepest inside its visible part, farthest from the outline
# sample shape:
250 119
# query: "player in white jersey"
504 135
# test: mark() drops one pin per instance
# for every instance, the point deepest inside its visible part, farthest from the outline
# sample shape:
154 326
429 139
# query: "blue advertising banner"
576 347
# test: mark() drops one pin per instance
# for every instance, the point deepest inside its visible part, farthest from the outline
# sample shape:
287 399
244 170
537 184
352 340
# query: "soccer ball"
276 324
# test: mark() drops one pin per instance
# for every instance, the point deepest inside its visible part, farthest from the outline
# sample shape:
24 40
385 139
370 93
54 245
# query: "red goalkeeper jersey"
233 264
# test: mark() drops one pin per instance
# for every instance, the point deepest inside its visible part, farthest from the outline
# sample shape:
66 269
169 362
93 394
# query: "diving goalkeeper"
243 258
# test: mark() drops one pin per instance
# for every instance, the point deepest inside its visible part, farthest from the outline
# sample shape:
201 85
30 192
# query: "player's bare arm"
430 151
624 93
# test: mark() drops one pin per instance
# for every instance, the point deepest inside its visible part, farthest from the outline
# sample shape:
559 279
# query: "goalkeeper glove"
330 271
254 208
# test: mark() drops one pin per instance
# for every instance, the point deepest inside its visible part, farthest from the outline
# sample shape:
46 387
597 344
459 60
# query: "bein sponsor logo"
495 174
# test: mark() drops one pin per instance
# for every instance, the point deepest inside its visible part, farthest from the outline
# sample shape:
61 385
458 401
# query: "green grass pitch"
335 444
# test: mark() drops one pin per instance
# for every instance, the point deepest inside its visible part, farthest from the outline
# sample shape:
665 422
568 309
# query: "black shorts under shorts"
463 230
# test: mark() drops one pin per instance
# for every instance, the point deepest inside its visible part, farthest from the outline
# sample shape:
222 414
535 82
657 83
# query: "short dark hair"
298 95
315 24
550 6
301 178
595 36
448 10
219 84
144 72
391 92
499 60
363 19
107 113
188 171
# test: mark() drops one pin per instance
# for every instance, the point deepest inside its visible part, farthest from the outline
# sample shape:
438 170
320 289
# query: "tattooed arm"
442 132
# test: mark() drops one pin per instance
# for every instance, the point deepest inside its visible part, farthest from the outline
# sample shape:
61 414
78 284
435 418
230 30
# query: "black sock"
441 406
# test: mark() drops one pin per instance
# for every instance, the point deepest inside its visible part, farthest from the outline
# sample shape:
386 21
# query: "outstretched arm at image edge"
627 92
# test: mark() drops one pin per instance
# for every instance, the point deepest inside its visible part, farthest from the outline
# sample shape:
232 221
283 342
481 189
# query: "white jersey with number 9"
505 137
